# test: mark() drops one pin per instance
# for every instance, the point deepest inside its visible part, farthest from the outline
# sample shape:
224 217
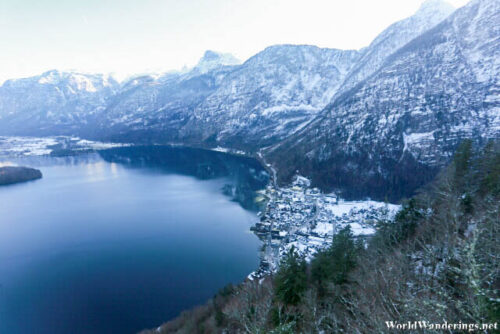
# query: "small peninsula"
11 175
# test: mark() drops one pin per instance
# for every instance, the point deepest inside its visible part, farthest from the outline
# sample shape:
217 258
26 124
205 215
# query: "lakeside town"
298 216
303 217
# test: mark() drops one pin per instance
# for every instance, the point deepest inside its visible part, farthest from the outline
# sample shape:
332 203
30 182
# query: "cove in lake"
124 239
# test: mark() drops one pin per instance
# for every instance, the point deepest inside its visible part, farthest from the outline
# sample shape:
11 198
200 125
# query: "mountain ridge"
402 103
412 112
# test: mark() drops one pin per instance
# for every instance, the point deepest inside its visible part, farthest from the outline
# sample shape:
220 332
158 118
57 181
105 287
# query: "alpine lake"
122 239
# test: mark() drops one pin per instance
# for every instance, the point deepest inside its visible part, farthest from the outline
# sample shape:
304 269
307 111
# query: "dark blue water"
123 240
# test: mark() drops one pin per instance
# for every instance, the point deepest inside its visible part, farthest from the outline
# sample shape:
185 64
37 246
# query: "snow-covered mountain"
154 109
396 127
430 13
257 103
386 116
218 102
270 96
212 60
53 102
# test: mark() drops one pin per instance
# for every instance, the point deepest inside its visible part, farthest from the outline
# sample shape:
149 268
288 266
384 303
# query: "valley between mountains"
376 122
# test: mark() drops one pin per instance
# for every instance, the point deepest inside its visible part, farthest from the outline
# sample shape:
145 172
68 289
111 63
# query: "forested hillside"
436 261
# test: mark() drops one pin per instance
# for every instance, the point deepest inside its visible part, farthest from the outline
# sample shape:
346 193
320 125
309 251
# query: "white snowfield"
33 146
26 145
354 209
345 207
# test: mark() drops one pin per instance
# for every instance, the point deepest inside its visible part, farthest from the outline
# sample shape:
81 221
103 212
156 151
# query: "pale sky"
126 37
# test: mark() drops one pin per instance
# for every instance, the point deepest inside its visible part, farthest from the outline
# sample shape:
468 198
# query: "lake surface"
123 239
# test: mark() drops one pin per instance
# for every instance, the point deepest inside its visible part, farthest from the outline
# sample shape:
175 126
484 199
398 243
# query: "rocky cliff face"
393 130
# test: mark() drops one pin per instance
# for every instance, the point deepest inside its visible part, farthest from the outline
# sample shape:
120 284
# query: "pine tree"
462 162
291 279
391 233
334 264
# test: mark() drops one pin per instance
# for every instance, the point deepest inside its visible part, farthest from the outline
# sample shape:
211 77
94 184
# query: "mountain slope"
397 127
434 260
219 102
385 117
154 109
53 103
270 96
245 106
430 13
212 60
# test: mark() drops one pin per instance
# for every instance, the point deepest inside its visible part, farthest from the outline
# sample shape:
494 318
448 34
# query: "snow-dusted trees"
333 265
437 261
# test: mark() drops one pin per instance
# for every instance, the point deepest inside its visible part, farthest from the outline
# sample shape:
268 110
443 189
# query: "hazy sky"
134 36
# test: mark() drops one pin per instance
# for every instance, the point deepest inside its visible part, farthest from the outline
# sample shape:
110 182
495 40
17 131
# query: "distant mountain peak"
51 72
77 80
212 55
429 6
212 59
430 13
50 76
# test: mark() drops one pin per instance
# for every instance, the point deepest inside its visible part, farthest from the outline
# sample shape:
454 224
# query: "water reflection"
244 175
123 239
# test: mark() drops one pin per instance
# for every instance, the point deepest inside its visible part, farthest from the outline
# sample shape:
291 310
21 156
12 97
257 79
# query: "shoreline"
294 215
